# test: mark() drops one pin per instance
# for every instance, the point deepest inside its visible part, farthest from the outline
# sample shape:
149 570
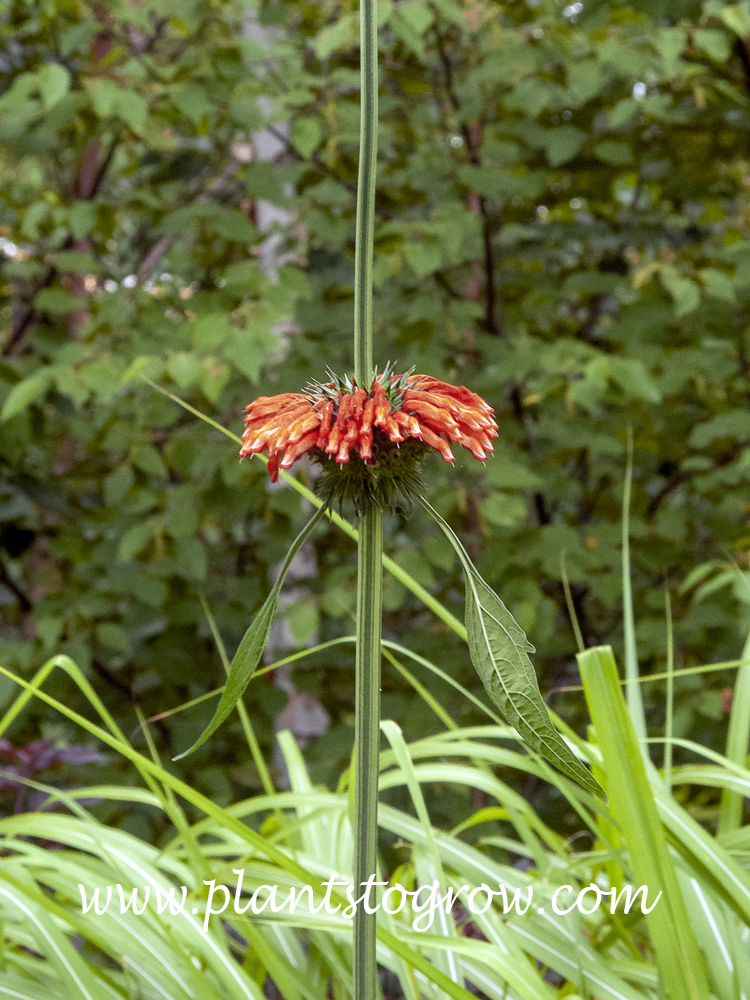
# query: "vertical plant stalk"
368 151
367 743
370 551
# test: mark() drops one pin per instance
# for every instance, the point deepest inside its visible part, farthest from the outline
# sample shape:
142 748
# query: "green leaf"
499 651
56 300
183 367
148 460
306 134
504 509
737 18
78 263
416 566
622 112
686 294
717 44
718 284
54 83
24 393
117 484
113 636
103 93
135 540
563 144
670 42
631 375
250 650
132 108
82 218
193 102
494 183
233 224
417 14
616 153
733 424
340 35
247 350
423 258
303 620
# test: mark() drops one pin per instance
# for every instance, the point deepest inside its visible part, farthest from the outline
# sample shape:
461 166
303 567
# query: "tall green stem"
368 151
367 743
370 552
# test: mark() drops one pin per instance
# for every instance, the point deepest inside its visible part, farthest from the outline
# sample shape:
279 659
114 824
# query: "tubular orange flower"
337 421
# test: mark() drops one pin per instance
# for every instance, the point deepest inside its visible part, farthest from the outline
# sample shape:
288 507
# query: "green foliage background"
563 225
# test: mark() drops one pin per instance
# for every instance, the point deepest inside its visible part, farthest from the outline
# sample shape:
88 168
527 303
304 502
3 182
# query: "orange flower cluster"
340 420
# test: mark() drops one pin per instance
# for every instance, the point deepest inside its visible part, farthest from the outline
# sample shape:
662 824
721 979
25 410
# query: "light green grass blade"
669 716
705 855
430 868
75 977
738 740
633 808
634 696
720 935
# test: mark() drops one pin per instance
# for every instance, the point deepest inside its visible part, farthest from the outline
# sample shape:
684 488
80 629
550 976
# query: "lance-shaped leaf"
499 651
254 641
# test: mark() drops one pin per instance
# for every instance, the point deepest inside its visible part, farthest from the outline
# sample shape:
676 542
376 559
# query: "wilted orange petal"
340 427
435 441
358 401
301 426
267 405
474 446
256 440
392 429
348 441
382 405
326 414
429 384
365 430
408 422
437 416
271 420
273 466
293 452
282 397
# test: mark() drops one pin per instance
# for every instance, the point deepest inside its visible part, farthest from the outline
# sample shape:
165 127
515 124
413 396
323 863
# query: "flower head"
355 428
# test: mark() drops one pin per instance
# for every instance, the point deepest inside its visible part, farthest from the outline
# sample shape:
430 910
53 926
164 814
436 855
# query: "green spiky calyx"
393 387
391 482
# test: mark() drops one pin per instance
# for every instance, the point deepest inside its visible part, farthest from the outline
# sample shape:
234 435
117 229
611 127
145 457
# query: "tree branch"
89 181
22 599
162 245
492 322
740 47
315 157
